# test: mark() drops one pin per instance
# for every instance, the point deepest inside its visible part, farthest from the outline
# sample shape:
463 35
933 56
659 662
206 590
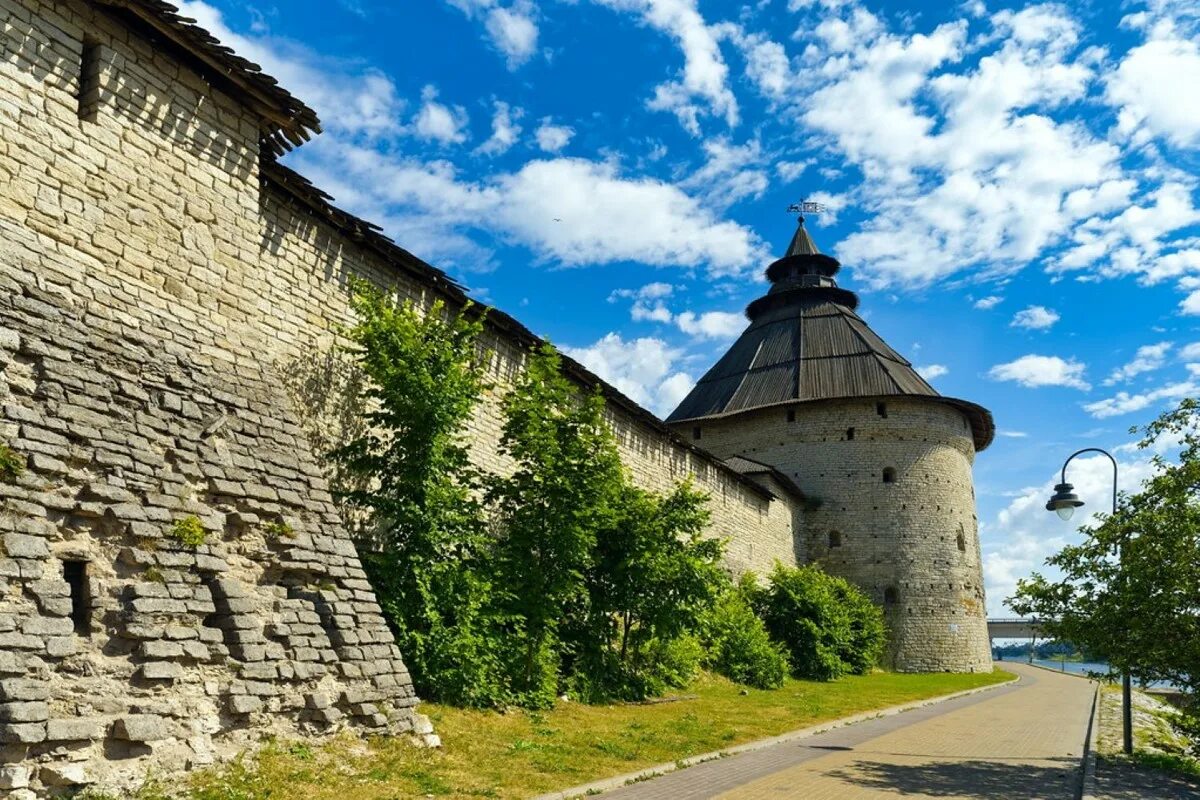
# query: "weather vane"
805 207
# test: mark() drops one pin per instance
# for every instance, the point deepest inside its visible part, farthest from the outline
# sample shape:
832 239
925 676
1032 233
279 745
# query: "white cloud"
505 129
552 138
932 371
1190 305
1035 318
1190 352
1033 371
651 291
354 100
965 166
989 302
711 324
1013 434
1154 89
702 89
514 32
1125 403
511 29
439 122
643 369
1147 359
730 173
608 217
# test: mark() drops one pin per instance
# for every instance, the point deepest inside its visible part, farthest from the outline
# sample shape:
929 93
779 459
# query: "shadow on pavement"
1121 781
976 779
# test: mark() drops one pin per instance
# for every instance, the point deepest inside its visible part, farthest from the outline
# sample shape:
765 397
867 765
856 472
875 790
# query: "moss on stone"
12 464
189 531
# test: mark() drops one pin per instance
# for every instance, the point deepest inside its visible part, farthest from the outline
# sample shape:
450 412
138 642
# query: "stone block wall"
306 306
912 543
133 385
166 318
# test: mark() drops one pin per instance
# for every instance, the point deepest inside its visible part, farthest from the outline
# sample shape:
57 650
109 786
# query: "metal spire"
802 244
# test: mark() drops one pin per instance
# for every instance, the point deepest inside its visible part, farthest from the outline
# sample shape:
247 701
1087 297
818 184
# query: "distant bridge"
1014 628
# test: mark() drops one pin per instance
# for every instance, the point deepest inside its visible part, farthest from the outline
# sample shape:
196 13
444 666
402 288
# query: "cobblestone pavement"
1019 742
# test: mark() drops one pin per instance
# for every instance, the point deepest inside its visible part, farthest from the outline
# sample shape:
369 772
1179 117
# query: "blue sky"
1011 188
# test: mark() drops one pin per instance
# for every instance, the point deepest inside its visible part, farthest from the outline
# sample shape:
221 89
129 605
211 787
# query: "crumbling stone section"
122 646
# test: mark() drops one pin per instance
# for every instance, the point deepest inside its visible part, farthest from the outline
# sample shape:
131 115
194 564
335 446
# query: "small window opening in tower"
881 409
791 415
889 474
962 539
696 432
89 80
890 596
75 574
835 539
849 434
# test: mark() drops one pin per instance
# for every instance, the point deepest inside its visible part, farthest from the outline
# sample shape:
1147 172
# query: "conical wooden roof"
805 343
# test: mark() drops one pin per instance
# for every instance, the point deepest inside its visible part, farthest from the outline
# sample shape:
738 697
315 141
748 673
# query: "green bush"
827 625
738 645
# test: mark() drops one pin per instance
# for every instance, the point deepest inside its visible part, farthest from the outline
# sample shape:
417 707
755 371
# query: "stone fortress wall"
911 541
166 308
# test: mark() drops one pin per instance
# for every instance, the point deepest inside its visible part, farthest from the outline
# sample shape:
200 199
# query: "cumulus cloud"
552 138
1153 89
730 173
439 122
1035 318
711 324
932 371
511 29
643 369
702 89
1033 371
1126 403
965 166
505 129
989 302
1147 359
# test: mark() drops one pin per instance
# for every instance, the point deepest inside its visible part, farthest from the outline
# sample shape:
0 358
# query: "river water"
1079 668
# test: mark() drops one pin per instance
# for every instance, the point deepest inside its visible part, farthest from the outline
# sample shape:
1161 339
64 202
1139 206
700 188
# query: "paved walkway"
1020 742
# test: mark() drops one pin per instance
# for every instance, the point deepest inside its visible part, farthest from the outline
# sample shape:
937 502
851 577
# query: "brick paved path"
1021 742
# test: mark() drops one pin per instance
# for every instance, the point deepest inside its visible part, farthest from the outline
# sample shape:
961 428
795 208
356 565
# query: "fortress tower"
885 461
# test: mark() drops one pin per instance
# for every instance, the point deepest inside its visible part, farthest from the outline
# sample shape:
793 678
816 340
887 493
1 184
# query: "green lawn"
520 754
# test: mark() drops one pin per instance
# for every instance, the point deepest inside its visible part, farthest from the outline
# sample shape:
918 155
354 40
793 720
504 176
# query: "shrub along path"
520 754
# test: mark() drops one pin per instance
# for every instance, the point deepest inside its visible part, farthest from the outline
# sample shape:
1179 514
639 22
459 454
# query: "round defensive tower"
884 460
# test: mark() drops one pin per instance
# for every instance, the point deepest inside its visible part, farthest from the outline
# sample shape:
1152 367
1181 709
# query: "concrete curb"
617 781
1087 782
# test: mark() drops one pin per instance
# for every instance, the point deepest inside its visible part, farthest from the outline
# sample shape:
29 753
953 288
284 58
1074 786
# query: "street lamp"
1063 502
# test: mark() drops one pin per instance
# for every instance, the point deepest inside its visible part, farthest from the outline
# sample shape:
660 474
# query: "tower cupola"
806 343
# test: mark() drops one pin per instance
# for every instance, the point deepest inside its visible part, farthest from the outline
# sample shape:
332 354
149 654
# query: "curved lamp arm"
1110 458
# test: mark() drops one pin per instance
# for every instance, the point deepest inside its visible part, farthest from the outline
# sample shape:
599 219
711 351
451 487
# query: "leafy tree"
1129 593
737 643
827 625
652 576
549 511
426 534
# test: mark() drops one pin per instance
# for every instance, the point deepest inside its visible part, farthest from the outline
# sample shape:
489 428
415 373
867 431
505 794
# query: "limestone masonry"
175 579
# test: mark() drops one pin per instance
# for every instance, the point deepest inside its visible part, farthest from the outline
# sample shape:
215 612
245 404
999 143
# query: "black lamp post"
1064 502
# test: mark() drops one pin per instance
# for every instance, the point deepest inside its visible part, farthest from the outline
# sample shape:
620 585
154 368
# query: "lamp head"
1064 502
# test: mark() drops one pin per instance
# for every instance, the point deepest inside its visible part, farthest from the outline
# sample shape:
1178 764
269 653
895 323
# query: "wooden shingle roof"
805 343
288 122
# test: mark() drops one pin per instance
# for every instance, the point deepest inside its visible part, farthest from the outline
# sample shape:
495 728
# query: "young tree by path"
1130 591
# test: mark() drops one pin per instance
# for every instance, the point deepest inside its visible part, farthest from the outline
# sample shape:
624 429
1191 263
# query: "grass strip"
519 754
